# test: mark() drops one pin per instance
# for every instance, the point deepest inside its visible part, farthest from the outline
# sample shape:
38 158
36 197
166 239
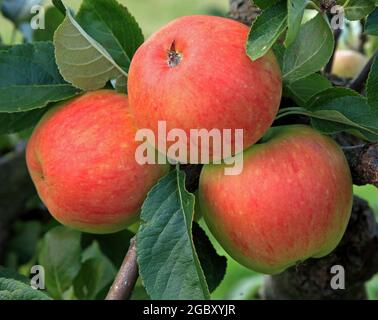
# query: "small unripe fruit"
81 158
291 202
348 63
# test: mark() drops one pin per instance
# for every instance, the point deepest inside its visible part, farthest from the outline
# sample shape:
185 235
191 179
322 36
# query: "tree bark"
363 162
127 276
243 11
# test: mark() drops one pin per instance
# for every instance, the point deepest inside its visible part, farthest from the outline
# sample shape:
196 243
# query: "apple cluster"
292 199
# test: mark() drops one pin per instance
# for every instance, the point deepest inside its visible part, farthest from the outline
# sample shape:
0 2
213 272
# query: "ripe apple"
81 158
348 63
291 202
194 74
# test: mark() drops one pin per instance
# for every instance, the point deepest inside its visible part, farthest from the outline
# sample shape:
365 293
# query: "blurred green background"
151 14
239 282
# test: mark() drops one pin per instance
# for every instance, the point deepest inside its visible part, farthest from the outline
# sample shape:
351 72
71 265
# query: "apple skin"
348 63
215 85
81 157
291 202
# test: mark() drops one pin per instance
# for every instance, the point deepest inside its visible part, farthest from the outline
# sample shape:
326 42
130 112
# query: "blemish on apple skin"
174 57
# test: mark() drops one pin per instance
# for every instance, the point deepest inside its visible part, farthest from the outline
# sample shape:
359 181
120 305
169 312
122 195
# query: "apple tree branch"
127 276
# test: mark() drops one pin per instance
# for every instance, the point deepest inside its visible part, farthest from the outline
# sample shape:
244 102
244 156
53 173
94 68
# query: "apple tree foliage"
92 49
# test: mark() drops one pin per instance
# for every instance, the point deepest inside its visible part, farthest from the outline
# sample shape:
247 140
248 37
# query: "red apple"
348 63
194 74
81 158
291 202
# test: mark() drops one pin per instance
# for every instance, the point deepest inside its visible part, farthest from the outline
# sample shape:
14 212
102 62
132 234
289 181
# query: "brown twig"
243 11
336 36
363 38
126 277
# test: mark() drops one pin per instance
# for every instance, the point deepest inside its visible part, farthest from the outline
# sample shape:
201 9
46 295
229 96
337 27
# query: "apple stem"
174 57
127 276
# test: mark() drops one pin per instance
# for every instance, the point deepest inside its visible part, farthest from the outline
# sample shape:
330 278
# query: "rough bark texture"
362 158
358 251
363 161
243 11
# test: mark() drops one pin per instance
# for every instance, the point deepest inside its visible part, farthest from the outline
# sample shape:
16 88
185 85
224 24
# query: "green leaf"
330 94
121 85
371 26
3 46
16 122
59 5
350 114
358 9
295 9
168 263
37 81
310 51
301 91
24 240
111 25
372 288
14 286
96 273
139 292
263 4
266 29
279 51
81 60
372 85
11 289
246 288
355 109
53 18
213 265
340 109
60 255
12 274
112 245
